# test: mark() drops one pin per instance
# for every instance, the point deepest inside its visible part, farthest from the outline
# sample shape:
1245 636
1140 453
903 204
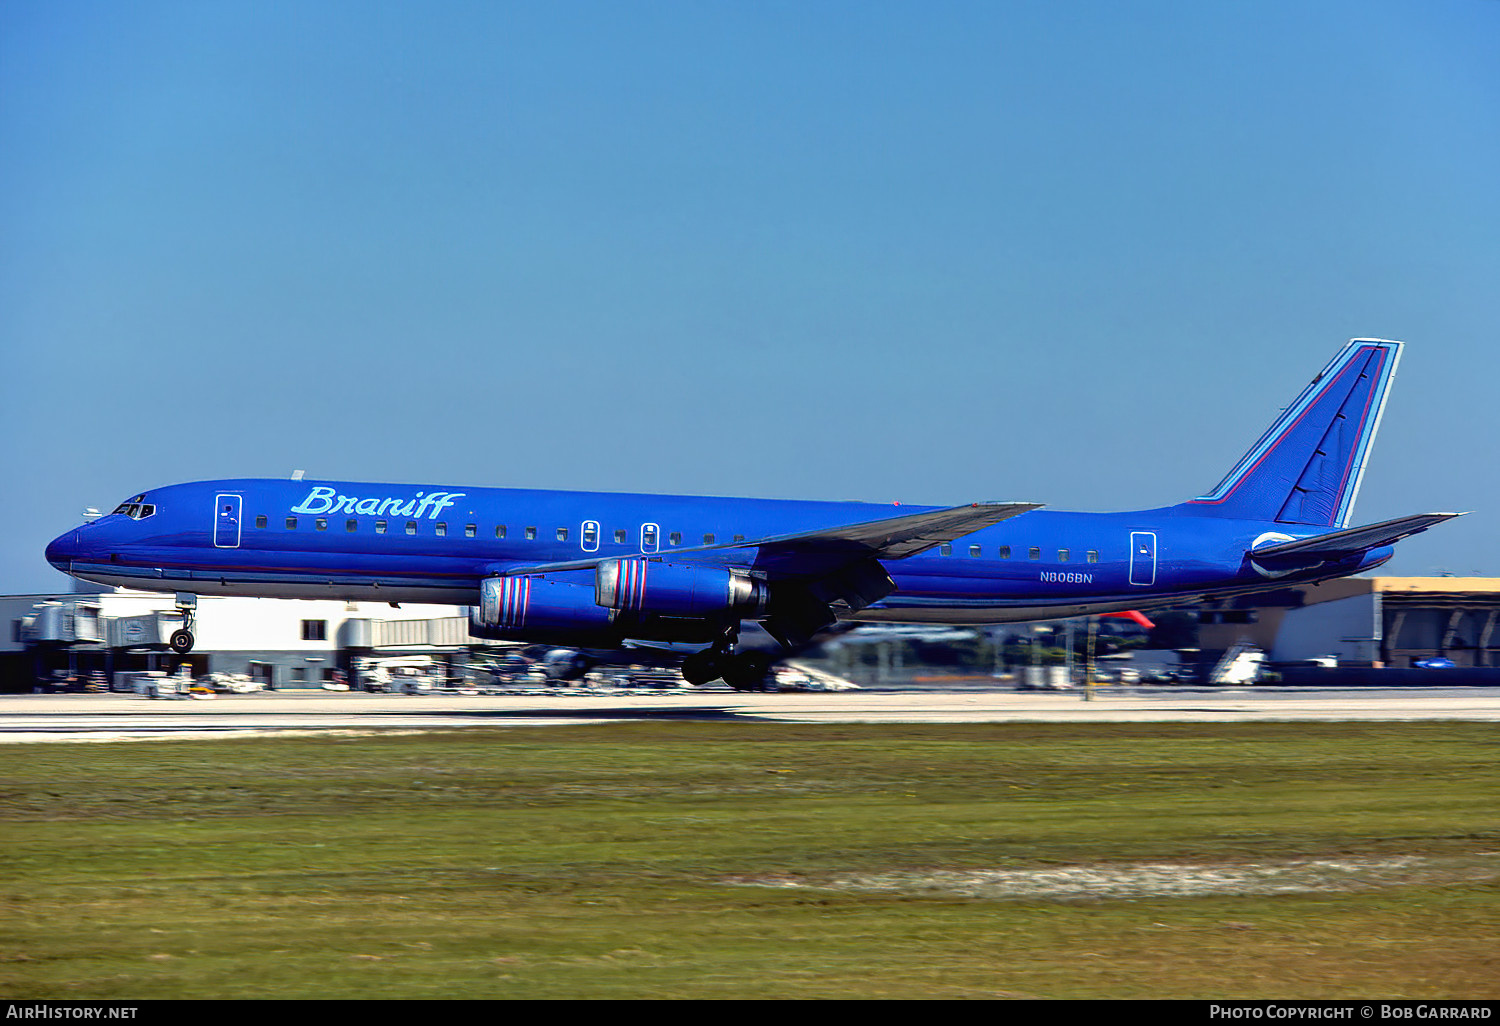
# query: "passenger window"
739 537
442 529
351 525
945 549
260 521
380 527
562 534
1033 553
649 534
499 530
531 534
1005 552
291 523
411 527
974 550
675 538
321 523
590 539
471 530
620 536
1062 555
708 539
1093 555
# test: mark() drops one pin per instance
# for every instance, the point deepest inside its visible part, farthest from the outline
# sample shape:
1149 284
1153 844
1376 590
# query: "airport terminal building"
91 638
1371 623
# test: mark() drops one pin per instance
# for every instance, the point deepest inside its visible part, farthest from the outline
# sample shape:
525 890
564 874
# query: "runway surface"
110 717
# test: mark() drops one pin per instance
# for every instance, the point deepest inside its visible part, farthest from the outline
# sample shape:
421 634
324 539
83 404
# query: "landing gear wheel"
747 671
712 663
701 667
182 640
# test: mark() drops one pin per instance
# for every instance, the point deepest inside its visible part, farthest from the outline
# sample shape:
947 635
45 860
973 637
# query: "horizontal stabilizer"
1339 544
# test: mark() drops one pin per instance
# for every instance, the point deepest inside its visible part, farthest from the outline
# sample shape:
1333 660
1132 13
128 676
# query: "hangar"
1365 622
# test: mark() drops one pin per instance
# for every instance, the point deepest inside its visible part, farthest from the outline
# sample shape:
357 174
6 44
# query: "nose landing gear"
182 639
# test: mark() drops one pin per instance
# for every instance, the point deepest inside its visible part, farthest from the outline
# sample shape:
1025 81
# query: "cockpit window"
135 509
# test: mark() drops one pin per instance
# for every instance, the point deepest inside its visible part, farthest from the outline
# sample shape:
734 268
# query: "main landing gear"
182 639
743 671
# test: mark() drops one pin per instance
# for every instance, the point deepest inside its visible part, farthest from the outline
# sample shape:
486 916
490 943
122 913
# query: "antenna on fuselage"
297 475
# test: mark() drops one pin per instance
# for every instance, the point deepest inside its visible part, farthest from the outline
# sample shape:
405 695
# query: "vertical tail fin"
1306 469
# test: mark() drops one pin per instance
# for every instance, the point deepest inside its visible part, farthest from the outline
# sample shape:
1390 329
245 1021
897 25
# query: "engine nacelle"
676 589
535 603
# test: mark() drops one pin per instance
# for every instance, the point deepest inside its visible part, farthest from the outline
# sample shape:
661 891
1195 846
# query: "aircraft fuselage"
409 543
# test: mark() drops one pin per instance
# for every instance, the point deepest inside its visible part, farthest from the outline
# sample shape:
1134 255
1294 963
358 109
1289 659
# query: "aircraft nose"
62 549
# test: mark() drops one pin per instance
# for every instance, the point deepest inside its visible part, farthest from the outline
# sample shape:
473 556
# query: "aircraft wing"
1327 547
815 572
891 538
898 537
839 567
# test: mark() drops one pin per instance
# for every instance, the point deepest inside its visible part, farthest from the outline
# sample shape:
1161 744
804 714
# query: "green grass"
619 861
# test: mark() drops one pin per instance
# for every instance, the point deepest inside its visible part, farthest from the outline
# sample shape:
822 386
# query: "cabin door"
1142 557
227 521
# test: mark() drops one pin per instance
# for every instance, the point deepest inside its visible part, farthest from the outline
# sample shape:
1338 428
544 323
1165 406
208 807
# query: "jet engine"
536 604
676 589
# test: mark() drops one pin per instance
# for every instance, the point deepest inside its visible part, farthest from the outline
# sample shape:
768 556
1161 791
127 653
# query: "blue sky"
1076 253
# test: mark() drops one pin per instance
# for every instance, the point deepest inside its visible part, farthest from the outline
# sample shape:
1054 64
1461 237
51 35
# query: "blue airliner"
602 570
